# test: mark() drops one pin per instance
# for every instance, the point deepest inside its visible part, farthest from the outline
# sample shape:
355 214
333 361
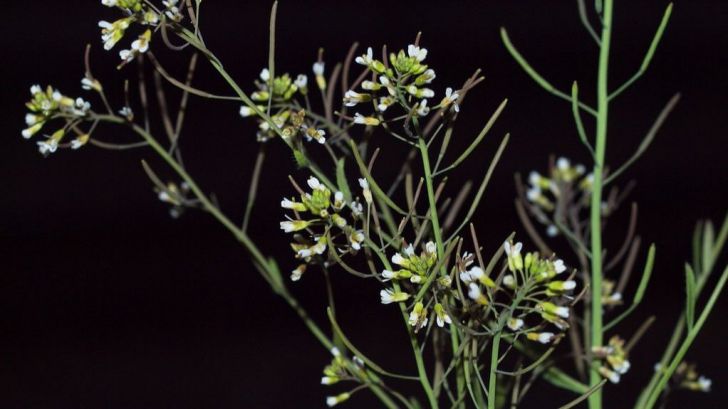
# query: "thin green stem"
492 377
595 400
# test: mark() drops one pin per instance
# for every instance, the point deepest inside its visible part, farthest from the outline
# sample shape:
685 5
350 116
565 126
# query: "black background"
106 302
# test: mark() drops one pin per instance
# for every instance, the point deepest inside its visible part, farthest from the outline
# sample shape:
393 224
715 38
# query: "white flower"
430 248
571 284
398 259
319 247
141 44
298 272
48 146
559 266
417 52
450 98
332 401
356 238
365 190
442 316
289 226
301 81
31 119
328 380
351 98
615 297
388 275
465 277
426 77
705 384
365 120
418 317
111 33
265 75
476 273
109 3
29 132
562 312
126 112
370 85
509 281
533 193
562 163
515 324
389 296
552 231
318 68
512 250
246 111
79 141
335 352
422 108
420 92
611 375
314 183
81 107
545 337
622 367
474 292
409 251
317 134
365 59
90 84
126 55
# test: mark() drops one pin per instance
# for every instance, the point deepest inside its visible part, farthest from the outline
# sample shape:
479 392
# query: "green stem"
595 400
492 377
421 370
435 221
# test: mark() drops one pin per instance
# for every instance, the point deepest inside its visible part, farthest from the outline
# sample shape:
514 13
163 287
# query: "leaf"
644 281
706 258
341 180
690 292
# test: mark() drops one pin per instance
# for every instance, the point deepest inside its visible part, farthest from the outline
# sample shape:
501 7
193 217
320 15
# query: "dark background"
105 301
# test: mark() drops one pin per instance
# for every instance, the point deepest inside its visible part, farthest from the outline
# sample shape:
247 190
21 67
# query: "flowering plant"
493 318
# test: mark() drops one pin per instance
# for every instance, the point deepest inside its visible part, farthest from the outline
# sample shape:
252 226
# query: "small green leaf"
690 292
707 253
341 180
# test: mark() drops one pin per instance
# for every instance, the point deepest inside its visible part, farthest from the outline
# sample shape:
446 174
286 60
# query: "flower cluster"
565 184
139 12
280 92
339 370
177 196
320 222
46 105
414 269
529 289
687 377
614 359
538 297
403 82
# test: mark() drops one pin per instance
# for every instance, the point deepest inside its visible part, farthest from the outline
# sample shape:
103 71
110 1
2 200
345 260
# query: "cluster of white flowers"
566 182
614 357
533 277
177 196
329 225
282 90
135 11
48 104
405 83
